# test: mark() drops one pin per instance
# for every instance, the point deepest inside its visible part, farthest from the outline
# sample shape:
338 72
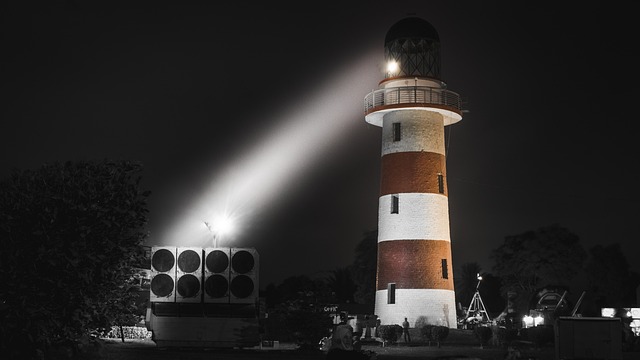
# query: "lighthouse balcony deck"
380 101
413 96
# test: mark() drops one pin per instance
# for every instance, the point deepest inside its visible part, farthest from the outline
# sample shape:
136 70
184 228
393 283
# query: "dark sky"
191 90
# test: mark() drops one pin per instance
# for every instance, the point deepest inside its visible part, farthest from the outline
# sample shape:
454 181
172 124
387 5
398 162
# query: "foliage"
538 335
439 333
342 285
421 321
71 235
435 333
128 332
611 282
300 288
364 267
504 336
465 282
308 325
426 332
296 311
390 333
490 291
483 334
525 262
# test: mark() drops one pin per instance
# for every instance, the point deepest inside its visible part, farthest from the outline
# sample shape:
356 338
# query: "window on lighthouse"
397 134
445 272
391 293
395 204
441 183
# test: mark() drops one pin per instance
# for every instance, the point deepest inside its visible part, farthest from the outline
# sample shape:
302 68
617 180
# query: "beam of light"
308 129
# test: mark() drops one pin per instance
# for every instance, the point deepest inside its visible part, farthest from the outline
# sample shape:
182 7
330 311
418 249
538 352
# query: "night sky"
194 90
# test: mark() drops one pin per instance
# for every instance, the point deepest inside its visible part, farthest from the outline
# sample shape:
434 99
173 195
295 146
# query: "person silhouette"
405 331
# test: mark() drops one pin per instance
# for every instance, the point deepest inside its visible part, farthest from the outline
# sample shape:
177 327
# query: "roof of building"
411 27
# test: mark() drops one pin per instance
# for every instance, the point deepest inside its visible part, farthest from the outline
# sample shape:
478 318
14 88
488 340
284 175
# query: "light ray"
257 177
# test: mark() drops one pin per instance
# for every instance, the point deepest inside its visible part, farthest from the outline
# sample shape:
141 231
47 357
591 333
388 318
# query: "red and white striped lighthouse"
413 106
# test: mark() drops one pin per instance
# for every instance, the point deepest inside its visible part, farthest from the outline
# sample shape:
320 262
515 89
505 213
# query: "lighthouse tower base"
421 306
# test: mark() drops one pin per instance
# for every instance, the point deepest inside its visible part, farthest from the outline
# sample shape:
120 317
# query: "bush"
435 333
483 334
426 333
130 332
439 333
390 333
505 336
539 335
421 321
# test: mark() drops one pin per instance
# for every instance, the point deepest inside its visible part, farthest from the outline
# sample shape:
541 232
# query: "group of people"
344 343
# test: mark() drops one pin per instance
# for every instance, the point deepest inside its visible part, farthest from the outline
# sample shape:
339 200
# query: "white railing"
419 95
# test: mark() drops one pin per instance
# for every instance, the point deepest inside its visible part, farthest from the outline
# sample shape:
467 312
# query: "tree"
611 283
342 285
548 256
466 282
296 310
71 235
491 294
364 267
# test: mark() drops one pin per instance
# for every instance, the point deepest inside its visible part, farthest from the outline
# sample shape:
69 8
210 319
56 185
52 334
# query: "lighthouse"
413 106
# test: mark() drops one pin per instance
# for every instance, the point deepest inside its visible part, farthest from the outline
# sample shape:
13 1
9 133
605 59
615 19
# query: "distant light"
538 320
479 276
528 321
392 67
635 327
608 312
635 313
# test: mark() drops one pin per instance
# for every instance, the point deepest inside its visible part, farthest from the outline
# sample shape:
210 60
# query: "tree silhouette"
491 295
364 267
71 235
548 256
342 285
465 282
296 310
611 283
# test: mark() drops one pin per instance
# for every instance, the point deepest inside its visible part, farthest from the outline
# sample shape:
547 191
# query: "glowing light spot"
608 312
392 67
222 225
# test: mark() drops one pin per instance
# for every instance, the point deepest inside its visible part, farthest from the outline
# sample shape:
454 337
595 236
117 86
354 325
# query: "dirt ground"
460 344
146 350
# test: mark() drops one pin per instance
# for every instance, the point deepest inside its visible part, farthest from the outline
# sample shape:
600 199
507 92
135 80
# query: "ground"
460 344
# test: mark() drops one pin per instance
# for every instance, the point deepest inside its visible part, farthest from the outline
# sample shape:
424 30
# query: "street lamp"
220 226
215 236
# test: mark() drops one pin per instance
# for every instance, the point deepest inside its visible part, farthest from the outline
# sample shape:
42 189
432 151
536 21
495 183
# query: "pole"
214 233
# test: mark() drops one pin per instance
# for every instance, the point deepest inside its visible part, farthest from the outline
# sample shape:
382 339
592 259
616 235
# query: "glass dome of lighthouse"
412 49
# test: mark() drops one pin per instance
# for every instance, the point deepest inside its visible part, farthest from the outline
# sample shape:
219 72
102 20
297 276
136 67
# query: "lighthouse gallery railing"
407 95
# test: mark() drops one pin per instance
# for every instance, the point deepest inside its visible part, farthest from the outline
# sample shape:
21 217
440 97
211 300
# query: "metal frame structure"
476 307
